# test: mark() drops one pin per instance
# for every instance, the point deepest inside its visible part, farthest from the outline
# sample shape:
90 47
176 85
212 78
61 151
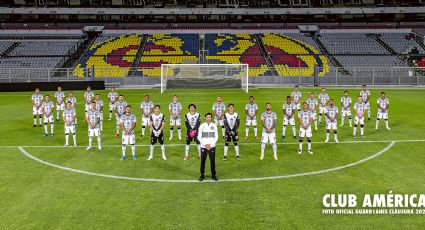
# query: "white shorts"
298 106
358 120
291 121
94 132
250 122
382 115
219 122
60 107
48 119
268 137
314 115
305 133
111 107
87 107
321 110
118 118
69 129
331 125
145 121
367 105
346 113
128 139
101 116
36 111
175 122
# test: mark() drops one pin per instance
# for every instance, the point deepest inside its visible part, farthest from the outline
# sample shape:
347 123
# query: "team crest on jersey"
212 127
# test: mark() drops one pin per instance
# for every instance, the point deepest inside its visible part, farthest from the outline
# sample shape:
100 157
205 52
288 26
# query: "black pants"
211 153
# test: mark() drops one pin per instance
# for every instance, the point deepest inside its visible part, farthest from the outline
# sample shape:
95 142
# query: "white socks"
274 146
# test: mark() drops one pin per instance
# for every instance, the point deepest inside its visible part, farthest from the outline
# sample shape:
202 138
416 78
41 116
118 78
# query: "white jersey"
296 96
68 115
146 106
37 98
93 116
232 120
332 111
120 107
345 102
112 97
269 118
89 95
365 94
128 121
208 134
175 108
219 108
383 103
323 98
359 107
73 101
59 95
192 120
252 108
157 120
288 108
305 117
312 104
47 107
99 105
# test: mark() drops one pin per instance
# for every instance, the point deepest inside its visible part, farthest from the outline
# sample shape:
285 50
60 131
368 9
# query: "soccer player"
93 118
128 123
146 107
60 105
288 112
331 113
88 96
73 101
269 120
251 110
192 120
208 136
345 108
383 105
112 97
305 118
157 125
323 98
47 109
219 108
119 111
312 105
37 100
69 115
365 94
99 107
231 122
175 109
296 96
359 109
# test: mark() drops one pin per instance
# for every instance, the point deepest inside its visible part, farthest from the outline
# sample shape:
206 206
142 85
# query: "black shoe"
225 158
57 120
141 135
238 158
368 119
35 126
201 178
39 125
215 178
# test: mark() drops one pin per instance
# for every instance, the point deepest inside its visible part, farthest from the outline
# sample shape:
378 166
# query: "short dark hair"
251 96
382 92
208 114
120 95
268 103
97 94
191 106
296 86
364 85
346 91
230 105
128 106
158 106
288 97
93 102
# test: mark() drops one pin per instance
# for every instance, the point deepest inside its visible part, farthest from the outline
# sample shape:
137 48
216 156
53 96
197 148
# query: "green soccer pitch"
47 186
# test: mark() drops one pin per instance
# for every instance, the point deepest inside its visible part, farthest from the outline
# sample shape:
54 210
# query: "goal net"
209 76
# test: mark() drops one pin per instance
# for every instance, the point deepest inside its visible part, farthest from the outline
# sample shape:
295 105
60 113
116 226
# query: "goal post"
209 76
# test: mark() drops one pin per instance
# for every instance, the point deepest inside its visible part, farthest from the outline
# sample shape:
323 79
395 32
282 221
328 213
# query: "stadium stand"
401 42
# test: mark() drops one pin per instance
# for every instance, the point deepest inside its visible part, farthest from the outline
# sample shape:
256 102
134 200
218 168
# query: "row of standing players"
229 121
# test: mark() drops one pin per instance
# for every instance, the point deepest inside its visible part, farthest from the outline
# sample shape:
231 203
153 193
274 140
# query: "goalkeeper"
193 121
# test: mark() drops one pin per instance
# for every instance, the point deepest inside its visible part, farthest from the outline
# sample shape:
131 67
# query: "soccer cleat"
150 158
88 148
101 130
295 137
256 138
35 126
327 140
246 137
261 156
39 125
171 138
109 119
340 125
141 135
99 148
215 178
75 145
336 140
185 158
122 158
116 135
351 126
283 137
225 158
310 152
315 128
388 128
51 134
275 157
354 136
368 119
164 158
66 145
201 178
300 151
57 120
376 128
180 138
46 134
238 158
362 136
134 157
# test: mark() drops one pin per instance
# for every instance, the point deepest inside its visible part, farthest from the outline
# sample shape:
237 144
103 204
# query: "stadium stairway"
387 47
74 60
139 53
257 37
419 39
10 49
331 57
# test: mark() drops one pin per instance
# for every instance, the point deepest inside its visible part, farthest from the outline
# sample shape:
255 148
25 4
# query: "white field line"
389 146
